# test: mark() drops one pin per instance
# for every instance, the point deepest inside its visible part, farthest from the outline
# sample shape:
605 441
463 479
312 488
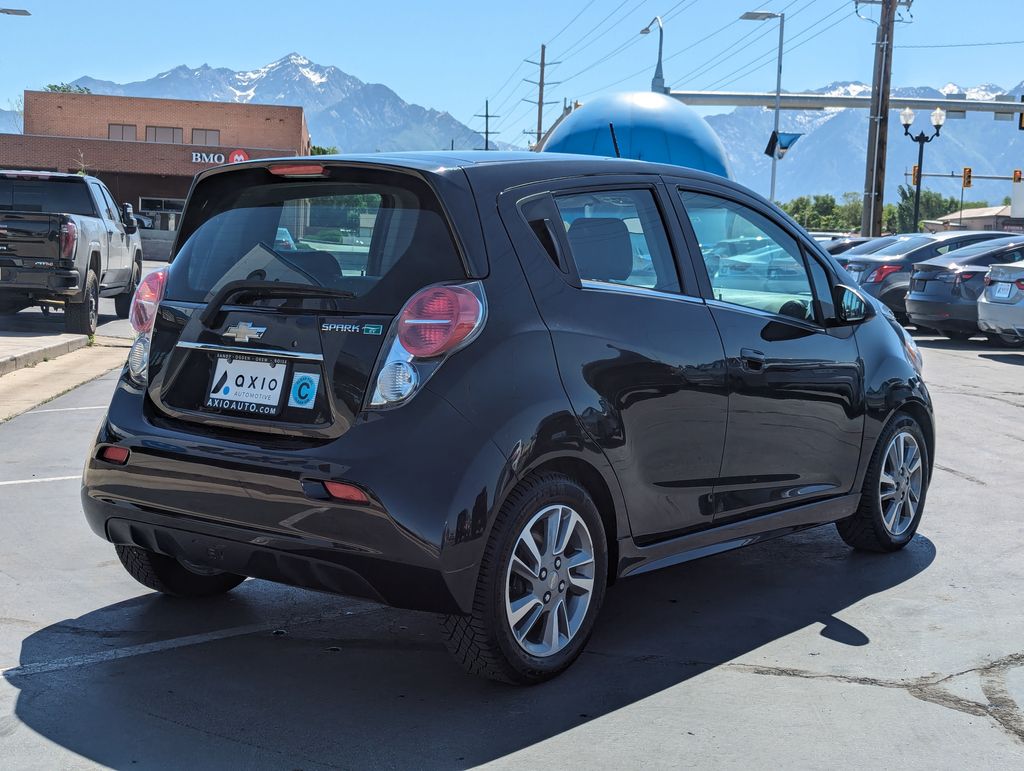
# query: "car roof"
43 174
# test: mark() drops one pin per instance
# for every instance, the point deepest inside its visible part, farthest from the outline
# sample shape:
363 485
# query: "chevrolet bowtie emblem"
244 331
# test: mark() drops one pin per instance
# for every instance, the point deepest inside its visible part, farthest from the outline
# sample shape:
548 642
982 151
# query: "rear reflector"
298 170
116 455
345 492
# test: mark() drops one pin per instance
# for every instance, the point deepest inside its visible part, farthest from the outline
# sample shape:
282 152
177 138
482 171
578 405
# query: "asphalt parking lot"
797 652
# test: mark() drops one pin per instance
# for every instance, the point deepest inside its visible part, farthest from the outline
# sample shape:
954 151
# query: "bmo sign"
235 156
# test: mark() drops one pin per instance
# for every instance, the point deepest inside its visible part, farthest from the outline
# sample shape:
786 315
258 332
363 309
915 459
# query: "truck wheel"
169 576
541 584
123 301
81 318
895 486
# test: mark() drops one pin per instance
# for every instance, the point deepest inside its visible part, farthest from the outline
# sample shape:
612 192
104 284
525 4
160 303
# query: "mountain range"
355 116
341 110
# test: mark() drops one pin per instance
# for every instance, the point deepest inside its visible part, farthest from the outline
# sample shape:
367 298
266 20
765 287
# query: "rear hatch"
282 293
28 240
1005 283
933 278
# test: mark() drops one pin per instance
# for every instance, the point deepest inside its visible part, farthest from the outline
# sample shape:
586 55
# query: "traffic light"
1016 175
967 176
915 175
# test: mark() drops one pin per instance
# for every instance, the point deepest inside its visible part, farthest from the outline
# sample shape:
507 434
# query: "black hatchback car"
488 386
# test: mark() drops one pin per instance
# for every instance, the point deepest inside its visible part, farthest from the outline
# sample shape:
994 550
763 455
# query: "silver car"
1001 305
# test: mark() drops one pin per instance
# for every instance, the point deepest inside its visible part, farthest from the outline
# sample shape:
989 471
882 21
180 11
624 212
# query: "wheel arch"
919 412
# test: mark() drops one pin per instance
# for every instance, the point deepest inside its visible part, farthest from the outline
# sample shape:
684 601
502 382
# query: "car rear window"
379 235
902 246
58 196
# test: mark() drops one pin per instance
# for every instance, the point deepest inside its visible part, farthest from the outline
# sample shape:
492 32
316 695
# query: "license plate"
1002 289
250 385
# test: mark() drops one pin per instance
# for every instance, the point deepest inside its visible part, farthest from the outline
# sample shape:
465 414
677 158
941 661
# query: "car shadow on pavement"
35 321
377 688
1005 358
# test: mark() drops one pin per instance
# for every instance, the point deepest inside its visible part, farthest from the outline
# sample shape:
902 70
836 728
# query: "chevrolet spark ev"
489 386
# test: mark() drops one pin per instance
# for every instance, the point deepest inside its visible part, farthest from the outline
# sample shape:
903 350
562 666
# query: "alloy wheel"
550 580
899 484
94 309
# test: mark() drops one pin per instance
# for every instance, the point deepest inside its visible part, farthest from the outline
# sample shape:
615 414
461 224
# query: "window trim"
704 279
172 129
122 126
206 131
611 186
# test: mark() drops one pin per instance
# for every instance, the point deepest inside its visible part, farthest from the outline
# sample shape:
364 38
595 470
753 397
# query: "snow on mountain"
341 110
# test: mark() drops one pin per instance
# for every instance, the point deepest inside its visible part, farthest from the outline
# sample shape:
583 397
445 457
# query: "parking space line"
39 479
56 665
65 409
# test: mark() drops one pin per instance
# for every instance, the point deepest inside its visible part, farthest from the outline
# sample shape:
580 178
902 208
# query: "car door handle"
752 359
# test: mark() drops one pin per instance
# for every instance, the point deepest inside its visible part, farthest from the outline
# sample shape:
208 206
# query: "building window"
206 137
164 134
123 132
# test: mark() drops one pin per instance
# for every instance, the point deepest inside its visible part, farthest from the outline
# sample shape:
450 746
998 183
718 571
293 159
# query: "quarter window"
164 134
124 132
207 137
618 237
750 260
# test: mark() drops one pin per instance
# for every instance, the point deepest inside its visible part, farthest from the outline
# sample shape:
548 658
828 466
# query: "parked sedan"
841 245
1001 305
886 273
944 290
869 246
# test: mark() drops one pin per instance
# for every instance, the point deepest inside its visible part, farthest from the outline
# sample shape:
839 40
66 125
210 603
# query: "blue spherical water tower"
648 126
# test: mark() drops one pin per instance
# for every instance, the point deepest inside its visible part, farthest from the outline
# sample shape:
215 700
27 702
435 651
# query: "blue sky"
452 54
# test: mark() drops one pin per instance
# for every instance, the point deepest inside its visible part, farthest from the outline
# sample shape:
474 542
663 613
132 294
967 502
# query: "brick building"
148 150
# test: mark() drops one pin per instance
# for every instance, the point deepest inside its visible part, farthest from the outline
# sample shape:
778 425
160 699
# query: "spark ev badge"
303 393
366 329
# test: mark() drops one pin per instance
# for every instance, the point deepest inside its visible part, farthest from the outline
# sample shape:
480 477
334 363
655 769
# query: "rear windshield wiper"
245 291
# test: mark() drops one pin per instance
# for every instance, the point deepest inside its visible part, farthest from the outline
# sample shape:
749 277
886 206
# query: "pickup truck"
65 243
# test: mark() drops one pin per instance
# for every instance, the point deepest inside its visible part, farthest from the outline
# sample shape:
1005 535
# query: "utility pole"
540 83
487 124
878 120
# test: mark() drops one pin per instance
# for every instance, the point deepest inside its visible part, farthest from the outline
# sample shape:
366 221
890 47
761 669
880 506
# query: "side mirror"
851 306
128 218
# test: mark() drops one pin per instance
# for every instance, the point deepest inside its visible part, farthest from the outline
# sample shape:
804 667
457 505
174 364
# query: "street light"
658 81
765 16
14 12
938 117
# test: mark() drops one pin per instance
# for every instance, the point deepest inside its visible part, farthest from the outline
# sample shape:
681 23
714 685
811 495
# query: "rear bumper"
943 315
1001 319
38 282
258 509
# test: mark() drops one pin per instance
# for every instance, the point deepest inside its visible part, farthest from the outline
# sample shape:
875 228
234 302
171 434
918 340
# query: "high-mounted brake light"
435 323
68 240
298 170
145 301
437 319
878 274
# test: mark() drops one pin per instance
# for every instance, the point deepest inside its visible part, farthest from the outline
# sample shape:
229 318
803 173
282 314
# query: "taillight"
988 280
1019 283
878 274
145 303
68 240
964 276
435 323
437 319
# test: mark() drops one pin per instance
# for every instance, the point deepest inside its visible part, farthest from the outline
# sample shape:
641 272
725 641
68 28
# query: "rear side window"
618 237
379 235
59 196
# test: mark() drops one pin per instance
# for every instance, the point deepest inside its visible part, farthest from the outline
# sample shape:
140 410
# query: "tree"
822 212
321 150
66 88
933 206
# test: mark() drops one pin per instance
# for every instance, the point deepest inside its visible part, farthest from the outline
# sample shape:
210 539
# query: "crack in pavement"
957 473
1001 707
970 391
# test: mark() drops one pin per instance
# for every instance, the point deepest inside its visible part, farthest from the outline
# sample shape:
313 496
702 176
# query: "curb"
11 363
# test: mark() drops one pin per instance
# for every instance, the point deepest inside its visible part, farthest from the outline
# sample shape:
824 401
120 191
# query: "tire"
487 642
82 318
1004 341
869 529
168 576
958 336
123 301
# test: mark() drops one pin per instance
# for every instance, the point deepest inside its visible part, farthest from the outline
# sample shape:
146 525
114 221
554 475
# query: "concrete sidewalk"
24 349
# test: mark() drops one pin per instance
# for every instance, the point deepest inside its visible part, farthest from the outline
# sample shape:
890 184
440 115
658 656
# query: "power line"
569 51
569 23
967 45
